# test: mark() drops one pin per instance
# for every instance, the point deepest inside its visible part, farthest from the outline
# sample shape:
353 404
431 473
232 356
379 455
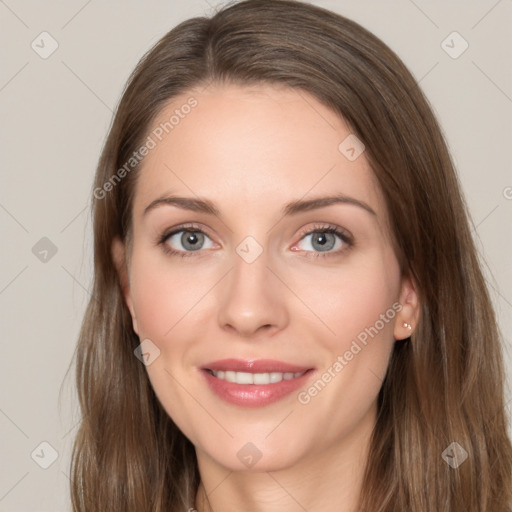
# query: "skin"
251 150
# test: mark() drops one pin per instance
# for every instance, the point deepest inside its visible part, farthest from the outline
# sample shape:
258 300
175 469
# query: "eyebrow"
292 208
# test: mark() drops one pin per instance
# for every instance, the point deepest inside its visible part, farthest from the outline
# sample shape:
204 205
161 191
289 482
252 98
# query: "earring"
409 326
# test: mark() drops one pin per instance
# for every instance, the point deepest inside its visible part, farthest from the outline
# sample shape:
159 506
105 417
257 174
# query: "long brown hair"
444 386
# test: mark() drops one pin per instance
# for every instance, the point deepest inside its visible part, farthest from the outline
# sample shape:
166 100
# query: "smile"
254 383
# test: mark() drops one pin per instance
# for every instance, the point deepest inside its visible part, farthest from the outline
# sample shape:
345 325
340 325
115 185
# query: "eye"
185 240
324 239
320 241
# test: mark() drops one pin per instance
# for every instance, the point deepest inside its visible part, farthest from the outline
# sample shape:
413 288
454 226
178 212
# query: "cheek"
357 304
354 298
164 301
162 295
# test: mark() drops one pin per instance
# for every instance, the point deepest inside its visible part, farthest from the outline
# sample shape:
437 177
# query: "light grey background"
55 113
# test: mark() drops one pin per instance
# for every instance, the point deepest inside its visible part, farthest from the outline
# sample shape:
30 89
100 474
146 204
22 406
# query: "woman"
288 307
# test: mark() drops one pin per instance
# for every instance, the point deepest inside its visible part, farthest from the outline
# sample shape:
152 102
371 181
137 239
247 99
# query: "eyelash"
345 237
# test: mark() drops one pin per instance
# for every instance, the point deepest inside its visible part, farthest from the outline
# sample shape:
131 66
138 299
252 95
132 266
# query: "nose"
252 299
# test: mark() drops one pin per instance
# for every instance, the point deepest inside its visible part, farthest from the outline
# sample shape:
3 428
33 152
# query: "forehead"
251 148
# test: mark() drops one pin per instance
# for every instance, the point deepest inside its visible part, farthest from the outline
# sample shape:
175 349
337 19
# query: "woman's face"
261 255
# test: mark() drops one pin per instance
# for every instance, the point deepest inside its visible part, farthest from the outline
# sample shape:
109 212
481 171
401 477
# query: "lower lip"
254 395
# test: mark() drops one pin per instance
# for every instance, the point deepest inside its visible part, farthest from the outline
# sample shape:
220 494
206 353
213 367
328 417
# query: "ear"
118 250
410 312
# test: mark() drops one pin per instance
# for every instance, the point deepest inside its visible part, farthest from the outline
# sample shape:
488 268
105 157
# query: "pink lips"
253 395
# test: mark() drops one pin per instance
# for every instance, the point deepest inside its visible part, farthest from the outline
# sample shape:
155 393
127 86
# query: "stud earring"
409 326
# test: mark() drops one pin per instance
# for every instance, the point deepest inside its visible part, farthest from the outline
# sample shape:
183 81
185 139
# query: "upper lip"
254 366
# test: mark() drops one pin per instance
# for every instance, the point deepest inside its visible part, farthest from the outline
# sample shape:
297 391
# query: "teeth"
255 378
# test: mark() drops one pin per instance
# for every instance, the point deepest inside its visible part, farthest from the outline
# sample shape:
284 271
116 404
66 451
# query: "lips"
254 383
258 366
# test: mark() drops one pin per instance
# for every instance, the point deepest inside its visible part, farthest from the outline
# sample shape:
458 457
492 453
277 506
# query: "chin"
259 455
